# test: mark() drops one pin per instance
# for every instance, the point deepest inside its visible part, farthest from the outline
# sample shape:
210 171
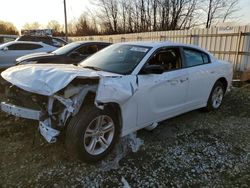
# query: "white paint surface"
143 99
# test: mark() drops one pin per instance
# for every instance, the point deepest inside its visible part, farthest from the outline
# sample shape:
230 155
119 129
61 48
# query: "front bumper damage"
45 128
51 119
21 111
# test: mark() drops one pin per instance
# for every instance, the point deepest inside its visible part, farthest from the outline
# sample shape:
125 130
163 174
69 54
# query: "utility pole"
65 21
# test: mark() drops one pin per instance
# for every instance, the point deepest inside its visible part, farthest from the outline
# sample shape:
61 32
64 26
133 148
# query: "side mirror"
153 69
74 55
5 48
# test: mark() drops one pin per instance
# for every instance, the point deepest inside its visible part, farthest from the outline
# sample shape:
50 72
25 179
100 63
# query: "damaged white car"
117 91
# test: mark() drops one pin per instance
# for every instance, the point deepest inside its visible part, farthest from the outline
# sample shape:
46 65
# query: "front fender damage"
118 89
108 90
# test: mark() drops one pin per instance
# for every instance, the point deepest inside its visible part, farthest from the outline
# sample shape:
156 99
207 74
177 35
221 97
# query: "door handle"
212 72
173 82
183 80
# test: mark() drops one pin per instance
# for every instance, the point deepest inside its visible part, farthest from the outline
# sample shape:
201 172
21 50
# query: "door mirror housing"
74 55
153 69
5 48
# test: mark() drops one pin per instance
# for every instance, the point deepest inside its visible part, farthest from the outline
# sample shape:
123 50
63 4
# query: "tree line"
129 16
7 28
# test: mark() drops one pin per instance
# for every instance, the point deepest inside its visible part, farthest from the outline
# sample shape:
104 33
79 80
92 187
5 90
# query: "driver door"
161 96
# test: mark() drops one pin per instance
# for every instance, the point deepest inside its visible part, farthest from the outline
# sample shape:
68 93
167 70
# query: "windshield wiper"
93 68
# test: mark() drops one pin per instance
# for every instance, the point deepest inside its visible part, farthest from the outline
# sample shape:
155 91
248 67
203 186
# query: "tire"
92 133
216 97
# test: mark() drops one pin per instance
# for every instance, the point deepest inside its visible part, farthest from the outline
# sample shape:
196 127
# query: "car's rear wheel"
216 96
92 133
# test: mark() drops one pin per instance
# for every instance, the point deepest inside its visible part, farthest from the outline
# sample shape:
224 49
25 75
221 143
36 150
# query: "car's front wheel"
92 133
216 96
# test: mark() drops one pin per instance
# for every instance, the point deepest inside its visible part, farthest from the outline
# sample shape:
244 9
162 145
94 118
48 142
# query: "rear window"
24 47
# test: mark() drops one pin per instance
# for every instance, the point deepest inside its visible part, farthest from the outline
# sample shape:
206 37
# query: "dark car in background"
53 41
71 53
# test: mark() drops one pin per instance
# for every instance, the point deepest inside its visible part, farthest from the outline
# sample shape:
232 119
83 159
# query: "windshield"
67 48
118 58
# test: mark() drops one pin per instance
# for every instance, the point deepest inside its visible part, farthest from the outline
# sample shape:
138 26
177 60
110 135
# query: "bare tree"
108 13
84 27
7 28
124 9
231 9
34 25
55 25
127 16
189 15
155 6
218 10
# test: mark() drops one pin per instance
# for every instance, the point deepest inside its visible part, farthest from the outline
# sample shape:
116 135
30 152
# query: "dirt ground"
196 149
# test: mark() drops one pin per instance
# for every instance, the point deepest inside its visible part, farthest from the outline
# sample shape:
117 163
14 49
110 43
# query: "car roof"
23 42
158 44
86 42
29 42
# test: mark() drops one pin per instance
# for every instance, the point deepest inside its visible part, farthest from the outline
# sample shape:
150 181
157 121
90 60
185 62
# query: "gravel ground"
196 149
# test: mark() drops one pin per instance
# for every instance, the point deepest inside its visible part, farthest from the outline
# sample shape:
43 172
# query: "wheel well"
224 82
90 100
117 110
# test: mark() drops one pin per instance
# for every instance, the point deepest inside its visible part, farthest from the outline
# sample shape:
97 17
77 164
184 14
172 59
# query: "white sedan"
10 51
119 90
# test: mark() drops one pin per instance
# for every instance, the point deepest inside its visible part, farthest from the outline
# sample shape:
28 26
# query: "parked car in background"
59 42
72 53
53 41
117 91
7 38
10 51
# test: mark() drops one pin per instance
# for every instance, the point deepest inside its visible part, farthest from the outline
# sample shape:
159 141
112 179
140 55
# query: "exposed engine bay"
52 112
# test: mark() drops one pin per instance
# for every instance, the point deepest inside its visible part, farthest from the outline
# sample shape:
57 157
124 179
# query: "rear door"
201 76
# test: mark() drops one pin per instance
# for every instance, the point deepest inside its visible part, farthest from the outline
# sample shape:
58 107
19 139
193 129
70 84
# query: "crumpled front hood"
47 79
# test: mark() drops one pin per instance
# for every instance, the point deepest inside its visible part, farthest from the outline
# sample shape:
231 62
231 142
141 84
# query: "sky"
20 12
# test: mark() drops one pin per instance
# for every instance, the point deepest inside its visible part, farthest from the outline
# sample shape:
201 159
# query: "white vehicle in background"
7 38
117 91
10 51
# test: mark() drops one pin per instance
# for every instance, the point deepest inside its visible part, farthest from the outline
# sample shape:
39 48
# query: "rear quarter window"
24 46
195 57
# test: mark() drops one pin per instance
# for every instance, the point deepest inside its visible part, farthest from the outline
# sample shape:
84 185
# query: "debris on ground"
197 149
125 183
129 142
